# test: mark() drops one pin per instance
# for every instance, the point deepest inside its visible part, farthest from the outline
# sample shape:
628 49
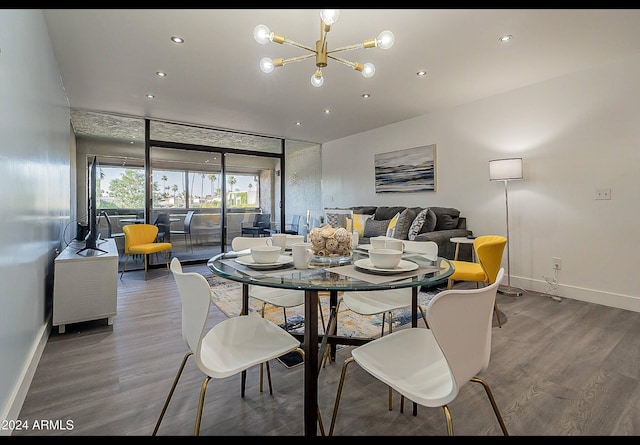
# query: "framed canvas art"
409 170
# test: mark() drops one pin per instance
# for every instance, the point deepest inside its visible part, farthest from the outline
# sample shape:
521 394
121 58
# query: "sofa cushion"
358 222
383 213
416 224
338 220
374 227
446 218
364 210
404 223
429 222
391 228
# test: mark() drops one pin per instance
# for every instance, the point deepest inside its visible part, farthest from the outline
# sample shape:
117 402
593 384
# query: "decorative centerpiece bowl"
327 241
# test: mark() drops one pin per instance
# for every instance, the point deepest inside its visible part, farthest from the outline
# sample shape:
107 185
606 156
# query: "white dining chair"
230 347
430 366
282 298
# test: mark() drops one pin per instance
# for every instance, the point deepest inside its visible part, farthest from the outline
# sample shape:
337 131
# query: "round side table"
463 240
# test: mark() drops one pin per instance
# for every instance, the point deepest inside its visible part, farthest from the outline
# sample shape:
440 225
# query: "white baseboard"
19 393
619 301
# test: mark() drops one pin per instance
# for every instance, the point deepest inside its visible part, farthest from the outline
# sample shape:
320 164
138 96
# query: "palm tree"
202 186
164 189
231 180
212 179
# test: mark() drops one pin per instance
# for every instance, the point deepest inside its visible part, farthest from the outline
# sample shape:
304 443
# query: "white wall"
575 133
35 180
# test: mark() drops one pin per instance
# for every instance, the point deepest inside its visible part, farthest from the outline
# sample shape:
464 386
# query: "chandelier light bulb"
316 79
266 65
385 40
329 16
262 34
369 70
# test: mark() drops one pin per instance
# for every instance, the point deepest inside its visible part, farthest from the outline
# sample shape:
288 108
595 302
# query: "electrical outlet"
557 263
603 193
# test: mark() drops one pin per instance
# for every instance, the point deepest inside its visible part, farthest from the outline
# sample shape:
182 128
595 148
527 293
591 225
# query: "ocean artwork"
410 170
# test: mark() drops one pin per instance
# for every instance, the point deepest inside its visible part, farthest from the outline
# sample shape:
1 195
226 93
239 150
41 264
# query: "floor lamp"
506 170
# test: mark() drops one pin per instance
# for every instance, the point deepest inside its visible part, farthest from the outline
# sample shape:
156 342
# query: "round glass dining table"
333 276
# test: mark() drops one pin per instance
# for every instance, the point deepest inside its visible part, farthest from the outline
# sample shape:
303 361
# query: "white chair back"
461 322
195 294
247 242
427 248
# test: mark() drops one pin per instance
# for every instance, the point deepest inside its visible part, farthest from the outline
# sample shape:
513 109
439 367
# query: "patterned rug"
227 296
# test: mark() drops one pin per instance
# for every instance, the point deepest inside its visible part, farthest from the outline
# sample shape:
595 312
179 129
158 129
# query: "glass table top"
327 275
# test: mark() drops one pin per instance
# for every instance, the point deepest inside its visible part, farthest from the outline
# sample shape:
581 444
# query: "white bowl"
294 239
385 242
385 258
265 254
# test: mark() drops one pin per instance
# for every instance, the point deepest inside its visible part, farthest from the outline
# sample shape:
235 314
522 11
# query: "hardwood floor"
565 368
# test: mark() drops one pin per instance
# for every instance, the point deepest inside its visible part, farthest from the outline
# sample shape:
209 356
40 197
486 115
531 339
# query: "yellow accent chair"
489 250
139 239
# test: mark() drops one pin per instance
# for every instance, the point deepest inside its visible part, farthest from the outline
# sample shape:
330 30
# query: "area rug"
227 296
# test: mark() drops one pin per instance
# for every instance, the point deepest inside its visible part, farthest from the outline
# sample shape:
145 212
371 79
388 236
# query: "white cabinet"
85 284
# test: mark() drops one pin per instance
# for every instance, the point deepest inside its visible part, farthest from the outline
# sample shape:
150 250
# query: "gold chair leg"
173 387
424 316
447 415
487 389
124 266
495 309
145 266
269 378
339 394
203 391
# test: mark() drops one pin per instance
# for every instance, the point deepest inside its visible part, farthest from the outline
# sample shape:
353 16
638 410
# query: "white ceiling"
108 59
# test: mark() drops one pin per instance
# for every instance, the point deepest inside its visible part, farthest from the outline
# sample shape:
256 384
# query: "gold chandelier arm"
347 48
344 61
297 59
298 45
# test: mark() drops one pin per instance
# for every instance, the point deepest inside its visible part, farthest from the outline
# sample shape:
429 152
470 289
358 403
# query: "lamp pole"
509 290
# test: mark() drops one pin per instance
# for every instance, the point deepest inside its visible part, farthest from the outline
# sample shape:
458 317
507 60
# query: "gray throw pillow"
373 227
416 225
404 223
429 222
446 218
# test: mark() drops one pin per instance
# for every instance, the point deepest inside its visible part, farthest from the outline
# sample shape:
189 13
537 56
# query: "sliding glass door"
186 201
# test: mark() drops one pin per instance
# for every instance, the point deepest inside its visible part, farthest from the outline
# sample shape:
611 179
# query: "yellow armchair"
489 250
139 239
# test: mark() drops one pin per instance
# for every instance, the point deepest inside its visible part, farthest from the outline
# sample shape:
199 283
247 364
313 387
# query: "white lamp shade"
505 169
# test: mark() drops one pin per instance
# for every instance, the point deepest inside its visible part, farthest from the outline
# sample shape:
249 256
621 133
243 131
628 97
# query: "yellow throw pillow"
391 229
358 222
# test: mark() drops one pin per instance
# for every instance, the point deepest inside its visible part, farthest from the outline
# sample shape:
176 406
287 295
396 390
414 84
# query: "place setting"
383 261
265 258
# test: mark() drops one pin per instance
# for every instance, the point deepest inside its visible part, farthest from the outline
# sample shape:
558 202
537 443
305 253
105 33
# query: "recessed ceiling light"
161 74
298 123
150 96
327 111
176 39
366 96
505 38
421 73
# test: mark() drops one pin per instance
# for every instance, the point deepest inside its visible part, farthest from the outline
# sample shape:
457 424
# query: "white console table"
85 284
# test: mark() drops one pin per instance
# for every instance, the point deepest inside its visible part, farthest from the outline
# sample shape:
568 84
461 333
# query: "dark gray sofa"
448 224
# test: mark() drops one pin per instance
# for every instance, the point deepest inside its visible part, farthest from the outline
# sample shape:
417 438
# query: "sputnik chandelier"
328 17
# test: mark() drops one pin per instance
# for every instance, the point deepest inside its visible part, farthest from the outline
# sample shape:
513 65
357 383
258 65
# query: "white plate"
403 266
364 247
247 260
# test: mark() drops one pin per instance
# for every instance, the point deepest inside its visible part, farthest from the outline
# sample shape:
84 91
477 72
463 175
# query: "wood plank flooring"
565 368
